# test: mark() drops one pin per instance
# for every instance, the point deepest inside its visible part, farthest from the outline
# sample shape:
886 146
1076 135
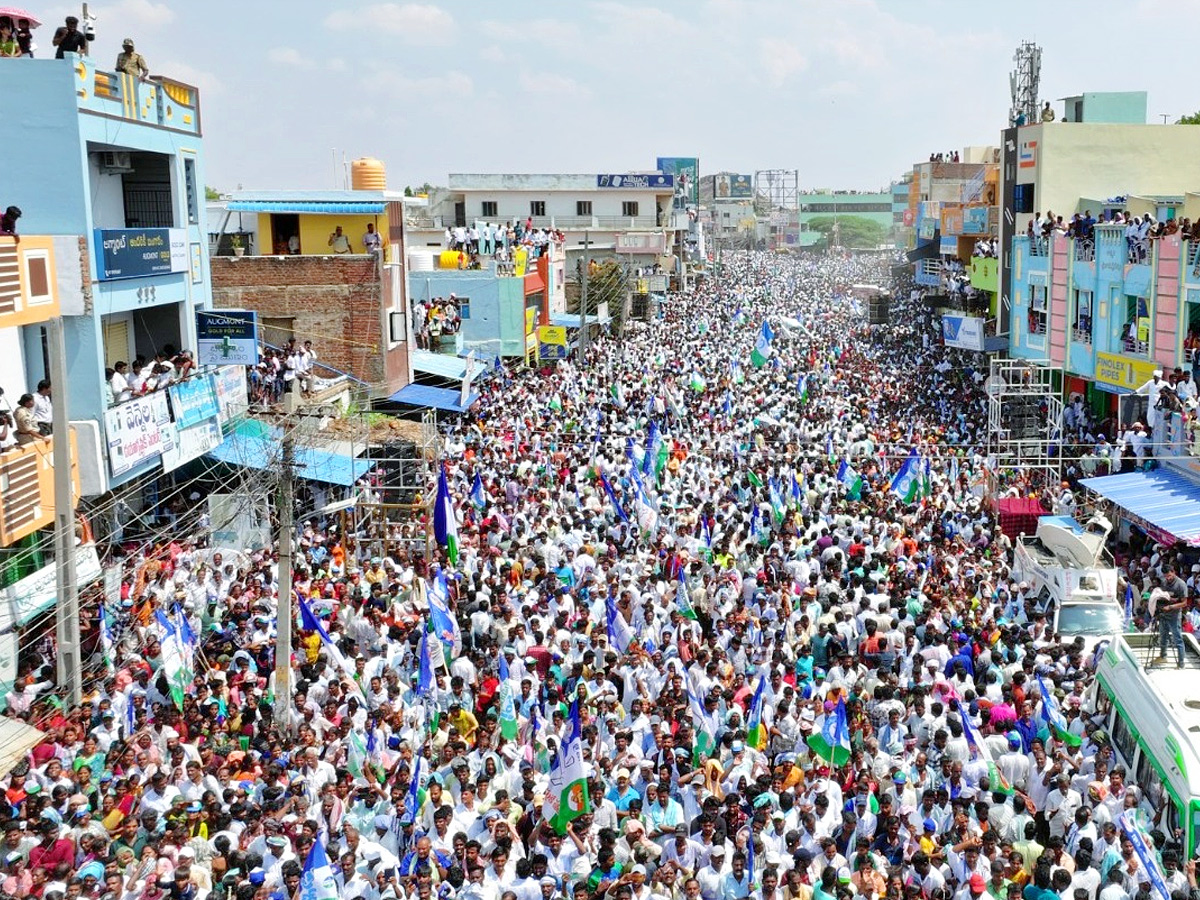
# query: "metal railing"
1082 335
1132 345
1085 249
1039 246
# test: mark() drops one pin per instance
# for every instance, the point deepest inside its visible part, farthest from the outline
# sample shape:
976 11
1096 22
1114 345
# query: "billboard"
645 181
138 252
733 187
227 337
686 172
963 332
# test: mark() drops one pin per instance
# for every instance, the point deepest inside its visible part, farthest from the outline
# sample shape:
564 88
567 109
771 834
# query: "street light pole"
70 663
284 611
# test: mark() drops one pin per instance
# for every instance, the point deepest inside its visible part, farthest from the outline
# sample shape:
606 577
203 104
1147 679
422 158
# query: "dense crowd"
732 571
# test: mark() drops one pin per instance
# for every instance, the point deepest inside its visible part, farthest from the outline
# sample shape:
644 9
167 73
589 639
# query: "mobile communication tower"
1025 81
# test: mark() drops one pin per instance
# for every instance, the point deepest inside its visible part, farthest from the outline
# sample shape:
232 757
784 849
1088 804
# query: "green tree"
1193 119
853 231
211 193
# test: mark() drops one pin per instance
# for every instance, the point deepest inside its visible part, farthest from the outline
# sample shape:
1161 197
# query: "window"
1023 198
1123 741
487 209
189 186
1081 326
537 207
1135 333
1037 309
464 307
629 208
583 207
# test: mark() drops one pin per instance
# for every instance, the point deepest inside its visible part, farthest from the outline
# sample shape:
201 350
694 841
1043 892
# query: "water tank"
368 174
420 261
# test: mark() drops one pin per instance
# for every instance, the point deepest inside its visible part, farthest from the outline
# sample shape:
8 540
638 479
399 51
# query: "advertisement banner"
975 220
192 443
552 342
138 252
228 337
194 400
232 399
963 332
137 431
1123 372
38 592
741 187
686 172
948 245
645 181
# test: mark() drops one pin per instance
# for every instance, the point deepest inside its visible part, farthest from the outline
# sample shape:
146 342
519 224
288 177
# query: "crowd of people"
1139 231
696 571
281 370
488 238
144 376
439 316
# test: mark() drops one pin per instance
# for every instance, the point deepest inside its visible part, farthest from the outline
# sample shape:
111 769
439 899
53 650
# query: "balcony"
1039 246
157 101
1085 249
28 286
27 489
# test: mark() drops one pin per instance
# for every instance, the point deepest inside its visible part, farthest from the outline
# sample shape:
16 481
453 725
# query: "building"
351 305
110 169
632 214
828 207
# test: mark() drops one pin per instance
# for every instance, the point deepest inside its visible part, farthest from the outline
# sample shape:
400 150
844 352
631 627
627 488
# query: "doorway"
285 227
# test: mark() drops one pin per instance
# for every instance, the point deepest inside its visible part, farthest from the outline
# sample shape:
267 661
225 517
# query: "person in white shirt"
43 407
118 383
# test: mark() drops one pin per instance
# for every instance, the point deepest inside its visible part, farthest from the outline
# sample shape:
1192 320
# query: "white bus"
1152 713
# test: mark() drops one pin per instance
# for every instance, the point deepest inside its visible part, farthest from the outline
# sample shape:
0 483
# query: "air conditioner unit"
116 161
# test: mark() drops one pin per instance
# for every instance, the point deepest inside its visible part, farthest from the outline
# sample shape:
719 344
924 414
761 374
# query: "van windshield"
1090 618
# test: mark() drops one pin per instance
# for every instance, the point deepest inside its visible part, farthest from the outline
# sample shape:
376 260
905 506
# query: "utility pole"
283 625
66 633
583 297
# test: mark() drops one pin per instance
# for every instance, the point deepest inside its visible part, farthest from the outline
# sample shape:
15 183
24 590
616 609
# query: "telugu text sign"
140 252
137 431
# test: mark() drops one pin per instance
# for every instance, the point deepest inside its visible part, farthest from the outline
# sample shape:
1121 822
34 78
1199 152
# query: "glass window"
537 207
629 208
487 209
1123 740
193 198
583 207
1082 324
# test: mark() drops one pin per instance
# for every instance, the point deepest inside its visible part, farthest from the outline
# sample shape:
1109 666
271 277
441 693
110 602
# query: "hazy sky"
849 92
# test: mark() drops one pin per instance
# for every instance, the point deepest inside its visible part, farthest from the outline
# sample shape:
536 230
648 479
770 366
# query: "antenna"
1025 82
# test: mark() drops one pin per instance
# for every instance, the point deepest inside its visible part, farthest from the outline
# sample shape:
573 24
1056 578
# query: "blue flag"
1128 606
316 880
832 743
478 496
425 668
412 796
613 497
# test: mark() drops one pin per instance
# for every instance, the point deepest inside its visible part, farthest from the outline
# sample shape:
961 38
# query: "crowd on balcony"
1140 231
31 420
436 318
144 376
490 239
985 248
281 370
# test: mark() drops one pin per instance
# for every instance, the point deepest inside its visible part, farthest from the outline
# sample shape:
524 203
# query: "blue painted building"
117 165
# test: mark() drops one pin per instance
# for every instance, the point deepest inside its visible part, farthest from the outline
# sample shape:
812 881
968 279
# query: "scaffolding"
1024 422
778 188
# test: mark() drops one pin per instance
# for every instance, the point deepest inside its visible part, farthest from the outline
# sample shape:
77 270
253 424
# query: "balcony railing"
1132 345
1039 246
1193 258
1082 334
1085 250
154 101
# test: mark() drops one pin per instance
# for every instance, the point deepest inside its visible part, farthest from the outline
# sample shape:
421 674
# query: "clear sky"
849 92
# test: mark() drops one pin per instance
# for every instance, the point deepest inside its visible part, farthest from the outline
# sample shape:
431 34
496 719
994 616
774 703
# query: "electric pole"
583 297
285 612
66 633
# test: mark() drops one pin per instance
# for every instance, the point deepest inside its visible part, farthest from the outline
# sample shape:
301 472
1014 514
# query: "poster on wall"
137 431
686 170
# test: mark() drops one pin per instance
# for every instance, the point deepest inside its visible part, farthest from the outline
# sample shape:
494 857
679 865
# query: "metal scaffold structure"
778 188
1024 420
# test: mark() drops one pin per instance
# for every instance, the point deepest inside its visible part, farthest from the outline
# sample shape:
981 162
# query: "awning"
424 396
257 446
328 207
16 739
1161 498
441 364
571 320
931 250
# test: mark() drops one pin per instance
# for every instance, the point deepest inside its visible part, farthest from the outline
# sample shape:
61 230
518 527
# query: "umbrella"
16 14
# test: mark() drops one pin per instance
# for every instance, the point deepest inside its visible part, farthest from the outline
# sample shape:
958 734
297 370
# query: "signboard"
38 592
741 187
686 170
197 263
228 337
193 400
952 217
552 342
1123 372
948 245
963 332
137 431
232 399
646 181
975 220
192 443
928 229
138 252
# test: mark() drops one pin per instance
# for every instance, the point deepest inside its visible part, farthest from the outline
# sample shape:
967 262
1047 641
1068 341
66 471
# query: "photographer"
8 438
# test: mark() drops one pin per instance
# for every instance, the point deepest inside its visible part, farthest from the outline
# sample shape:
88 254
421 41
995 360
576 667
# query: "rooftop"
633 181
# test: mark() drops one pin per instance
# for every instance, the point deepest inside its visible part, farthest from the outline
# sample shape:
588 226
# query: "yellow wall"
315 229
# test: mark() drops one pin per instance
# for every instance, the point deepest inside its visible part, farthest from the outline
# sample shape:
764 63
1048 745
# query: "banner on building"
232 400
192 443
193 400
644 181
227 337
552 342
139 252
137 431
686 172
963 332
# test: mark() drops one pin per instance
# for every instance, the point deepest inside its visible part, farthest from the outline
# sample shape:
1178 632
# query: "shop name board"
140 252
635 181
228 337
137 431
1123 371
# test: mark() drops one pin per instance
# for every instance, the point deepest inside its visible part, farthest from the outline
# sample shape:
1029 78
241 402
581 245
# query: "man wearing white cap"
1151 390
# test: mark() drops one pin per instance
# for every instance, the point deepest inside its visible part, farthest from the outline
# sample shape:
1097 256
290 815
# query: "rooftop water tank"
420 261
368 174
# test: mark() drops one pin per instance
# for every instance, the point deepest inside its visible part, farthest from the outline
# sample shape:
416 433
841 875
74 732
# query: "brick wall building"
350 307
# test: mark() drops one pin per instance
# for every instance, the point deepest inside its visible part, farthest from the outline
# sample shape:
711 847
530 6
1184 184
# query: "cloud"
550 32
141 13
452 85
414 23
289 56
551 83
781 59
206 81
493 53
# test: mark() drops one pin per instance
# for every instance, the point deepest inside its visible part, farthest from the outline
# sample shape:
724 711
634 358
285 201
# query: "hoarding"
627 181
552 342
137 431
139 252
192 443
686 172
963 332
228 337
193 400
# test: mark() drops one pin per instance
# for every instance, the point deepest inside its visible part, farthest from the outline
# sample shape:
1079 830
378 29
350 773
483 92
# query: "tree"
211 193
1193 119
853 231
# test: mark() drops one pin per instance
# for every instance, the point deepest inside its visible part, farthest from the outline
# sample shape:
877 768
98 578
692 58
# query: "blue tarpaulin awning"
257 446
1162 498
329 207
441 364
571 320
422 395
